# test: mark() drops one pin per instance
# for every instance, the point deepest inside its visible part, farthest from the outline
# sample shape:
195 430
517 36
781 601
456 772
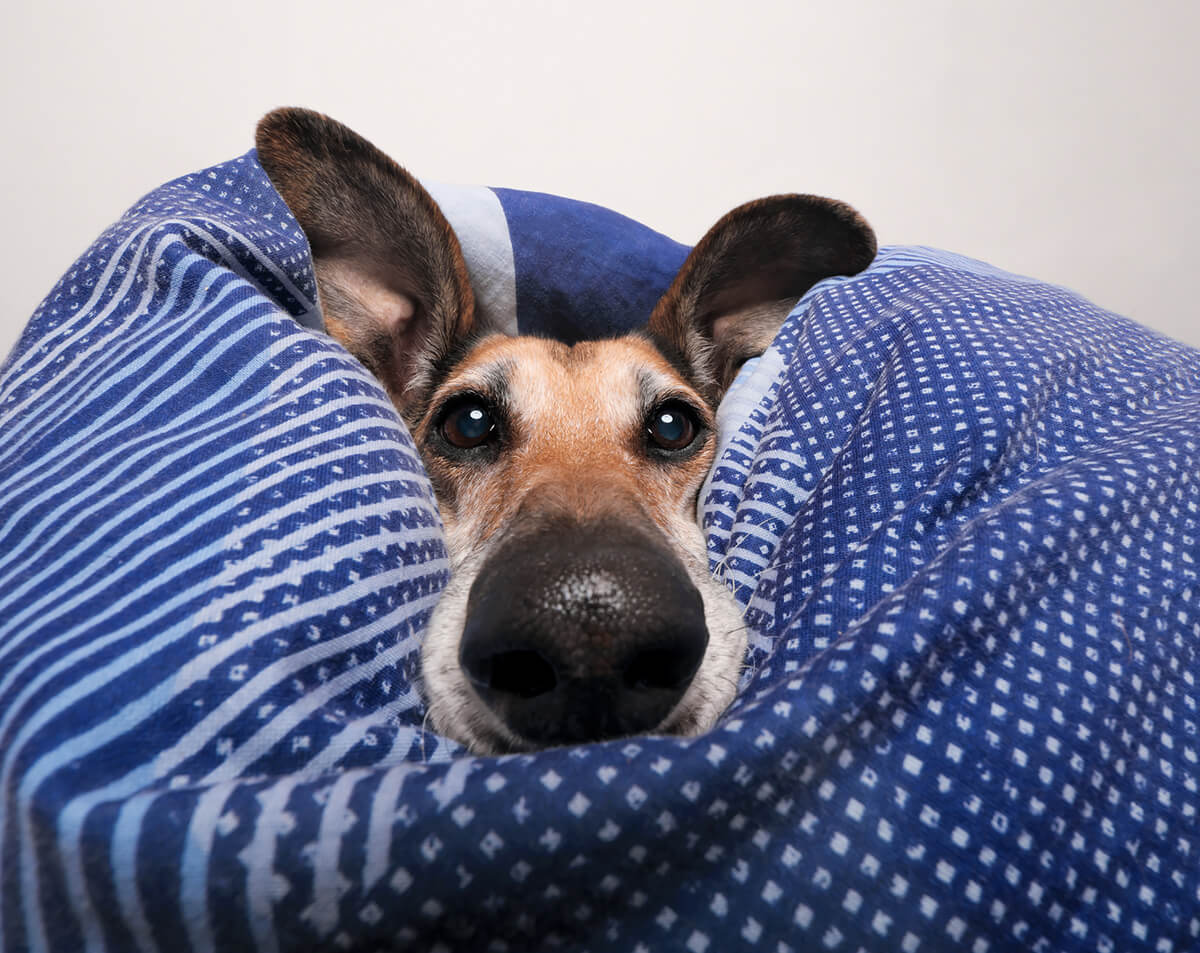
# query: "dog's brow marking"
489 378
495 379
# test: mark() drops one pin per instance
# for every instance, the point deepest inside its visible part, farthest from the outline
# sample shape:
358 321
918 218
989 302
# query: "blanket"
961 508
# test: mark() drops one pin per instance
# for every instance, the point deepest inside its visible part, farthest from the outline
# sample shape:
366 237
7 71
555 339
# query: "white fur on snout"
455 709
715 683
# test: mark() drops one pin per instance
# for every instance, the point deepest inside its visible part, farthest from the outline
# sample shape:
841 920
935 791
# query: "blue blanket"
961 507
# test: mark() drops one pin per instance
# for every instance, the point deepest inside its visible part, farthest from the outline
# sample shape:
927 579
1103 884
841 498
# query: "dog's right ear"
391 275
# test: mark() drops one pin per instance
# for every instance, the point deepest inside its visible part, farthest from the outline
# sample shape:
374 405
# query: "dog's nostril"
663 668
521 672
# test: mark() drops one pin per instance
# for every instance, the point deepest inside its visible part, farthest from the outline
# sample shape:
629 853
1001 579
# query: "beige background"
1057 139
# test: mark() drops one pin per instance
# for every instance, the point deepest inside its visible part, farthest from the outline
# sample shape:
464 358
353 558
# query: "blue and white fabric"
961 507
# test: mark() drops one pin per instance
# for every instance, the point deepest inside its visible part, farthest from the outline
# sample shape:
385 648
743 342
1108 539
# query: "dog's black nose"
574 637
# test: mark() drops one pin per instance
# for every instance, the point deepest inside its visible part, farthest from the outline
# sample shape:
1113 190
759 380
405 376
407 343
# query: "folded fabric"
961 507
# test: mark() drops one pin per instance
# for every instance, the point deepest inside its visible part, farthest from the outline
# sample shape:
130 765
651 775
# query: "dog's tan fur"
572 447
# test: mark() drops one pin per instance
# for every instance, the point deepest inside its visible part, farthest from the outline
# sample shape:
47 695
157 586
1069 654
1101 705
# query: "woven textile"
961 507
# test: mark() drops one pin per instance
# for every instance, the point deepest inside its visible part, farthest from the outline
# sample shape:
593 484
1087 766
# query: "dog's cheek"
715 685
444 487
483 503
454 709
445 689
467 502
672 497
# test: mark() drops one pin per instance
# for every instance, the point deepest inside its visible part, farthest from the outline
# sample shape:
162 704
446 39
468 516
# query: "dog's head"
580 607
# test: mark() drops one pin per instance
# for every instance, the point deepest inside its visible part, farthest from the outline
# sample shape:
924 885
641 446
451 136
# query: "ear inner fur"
391 275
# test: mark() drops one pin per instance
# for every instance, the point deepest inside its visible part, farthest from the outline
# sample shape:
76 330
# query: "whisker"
426 729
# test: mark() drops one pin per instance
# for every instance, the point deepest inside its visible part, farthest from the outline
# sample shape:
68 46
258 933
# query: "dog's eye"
468 425
672 426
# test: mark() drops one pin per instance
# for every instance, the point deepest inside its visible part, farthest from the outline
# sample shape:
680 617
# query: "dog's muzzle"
576 635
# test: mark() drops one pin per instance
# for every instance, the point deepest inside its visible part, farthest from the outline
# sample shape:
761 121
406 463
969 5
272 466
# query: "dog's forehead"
611 378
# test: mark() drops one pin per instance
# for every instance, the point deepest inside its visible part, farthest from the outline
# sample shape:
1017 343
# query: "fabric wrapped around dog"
961 507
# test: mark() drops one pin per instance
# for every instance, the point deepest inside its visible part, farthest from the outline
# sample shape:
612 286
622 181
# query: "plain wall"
1053 139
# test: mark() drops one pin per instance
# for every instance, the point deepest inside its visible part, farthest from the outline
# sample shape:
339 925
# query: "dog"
580 606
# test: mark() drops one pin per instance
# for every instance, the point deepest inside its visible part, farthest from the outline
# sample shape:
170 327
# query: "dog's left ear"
743 278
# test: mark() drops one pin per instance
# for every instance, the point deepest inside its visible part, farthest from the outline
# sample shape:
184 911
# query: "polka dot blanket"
961 509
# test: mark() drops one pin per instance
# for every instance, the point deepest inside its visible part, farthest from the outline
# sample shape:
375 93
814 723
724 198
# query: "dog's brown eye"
468 425
672 426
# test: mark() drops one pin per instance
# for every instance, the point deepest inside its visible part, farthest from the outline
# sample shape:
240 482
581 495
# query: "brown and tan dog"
580 606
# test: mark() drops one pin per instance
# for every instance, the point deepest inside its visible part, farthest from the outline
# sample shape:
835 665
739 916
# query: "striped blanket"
961 507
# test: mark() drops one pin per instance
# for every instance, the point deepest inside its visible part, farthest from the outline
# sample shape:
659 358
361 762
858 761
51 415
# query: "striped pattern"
962 509
217 548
